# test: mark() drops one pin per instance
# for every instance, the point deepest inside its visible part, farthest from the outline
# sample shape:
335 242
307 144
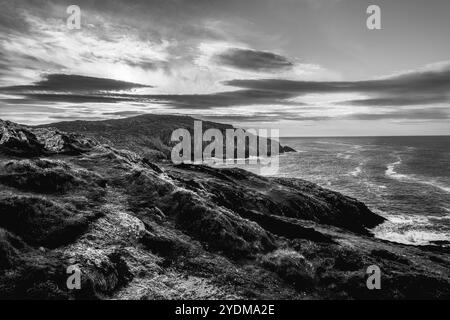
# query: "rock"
347 260
40 222
150 164
291 266
242 192
46 176
15 140
381 253
22 141
334 208
26 273
10 247
148 135
285 149
143 229
166 246
220 229
285 227
55 141
101 275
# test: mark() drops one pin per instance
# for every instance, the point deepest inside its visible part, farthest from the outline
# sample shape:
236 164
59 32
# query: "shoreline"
140 229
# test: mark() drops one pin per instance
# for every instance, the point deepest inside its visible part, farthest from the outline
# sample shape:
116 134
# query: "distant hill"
147 135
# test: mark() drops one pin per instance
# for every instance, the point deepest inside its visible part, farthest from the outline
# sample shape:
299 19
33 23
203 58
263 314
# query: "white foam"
357 171
413 237
335 143
435 184
390 172
411 229
445 217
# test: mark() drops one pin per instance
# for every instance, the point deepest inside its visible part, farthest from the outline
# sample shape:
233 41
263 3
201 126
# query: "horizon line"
371 136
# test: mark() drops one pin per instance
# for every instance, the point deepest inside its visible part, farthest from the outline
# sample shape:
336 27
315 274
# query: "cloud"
124 113
223 99
151 42
74 83
180 101
190 51
143 42
262 117
410 114
82 89
422 83
253 60
396 97
395 101
414 114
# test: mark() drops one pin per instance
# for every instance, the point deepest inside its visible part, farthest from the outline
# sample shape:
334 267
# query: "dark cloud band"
252 60
74 83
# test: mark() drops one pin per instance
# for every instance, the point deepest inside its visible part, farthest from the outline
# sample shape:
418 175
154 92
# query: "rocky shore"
103 198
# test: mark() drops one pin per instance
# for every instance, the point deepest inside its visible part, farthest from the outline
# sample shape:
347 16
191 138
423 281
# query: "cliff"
144 230
148 135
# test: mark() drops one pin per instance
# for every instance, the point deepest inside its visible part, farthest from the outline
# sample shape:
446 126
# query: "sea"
404 179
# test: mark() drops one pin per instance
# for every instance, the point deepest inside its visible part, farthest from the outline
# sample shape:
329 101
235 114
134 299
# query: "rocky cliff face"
148 135
143 230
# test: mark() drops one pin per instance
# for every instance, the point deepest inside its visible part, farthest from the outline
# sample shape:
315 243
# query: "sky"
305 67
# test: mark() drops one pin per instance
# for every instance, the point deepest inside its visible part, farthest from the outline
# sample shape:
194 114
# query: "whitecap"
411 229
390 172
435 184
345 156
357 171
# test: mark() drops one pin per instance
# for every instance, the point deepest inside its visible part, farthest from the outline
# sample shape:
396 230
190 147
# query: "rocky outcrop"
243 192
285 149
16 140
137 229
148 135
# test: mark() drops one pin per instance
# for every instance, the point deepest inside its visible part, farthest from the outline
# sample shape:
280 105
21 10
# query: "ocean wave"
345 156
378 190
435 184
443 218
296 151
415 237
390 172
335 143
357 171
411 229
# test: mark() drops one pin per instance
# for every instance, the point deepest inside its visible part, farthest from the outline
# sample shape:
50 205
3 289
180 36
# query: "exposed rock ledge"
140 230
